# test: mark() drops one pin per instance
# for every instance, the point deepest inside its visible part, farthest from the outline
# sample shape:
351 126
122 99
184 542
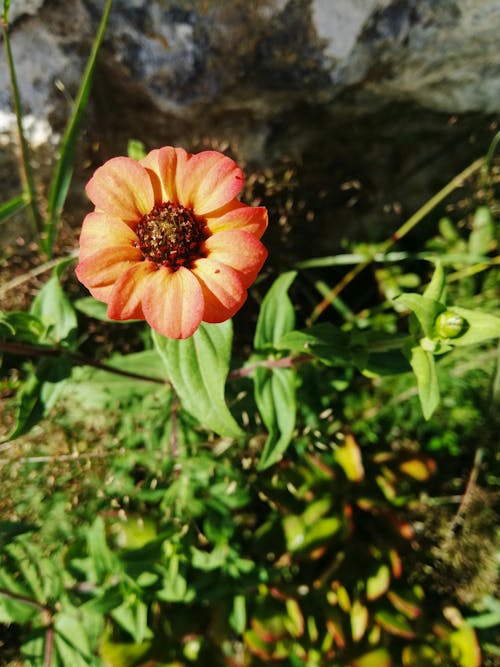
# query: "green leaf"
136 149
426 310
26 328
53 308
395 624
436 288
103 560
481 326
12 206
482 231
424 367
380 657
5 13
274 392
12 610
197 367
64 169
93 308
29 408
325 341
68 627
276 317
238 615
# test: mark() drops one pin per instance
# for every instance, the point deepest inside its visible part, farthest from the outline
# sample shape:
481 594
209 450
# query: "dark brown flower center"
171 235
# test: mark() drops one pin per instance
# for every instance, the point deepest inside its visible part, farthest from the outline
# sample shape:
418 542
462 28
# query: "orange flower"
168 242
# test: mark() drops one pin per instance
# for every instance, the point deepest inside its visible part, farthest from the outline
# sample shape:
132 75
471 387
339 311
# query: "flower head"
168 241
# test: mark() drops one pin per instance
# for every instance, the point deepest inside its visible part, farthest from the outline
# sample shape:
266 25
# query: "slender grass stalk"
61 179
12 206
25 170
406 227
491 152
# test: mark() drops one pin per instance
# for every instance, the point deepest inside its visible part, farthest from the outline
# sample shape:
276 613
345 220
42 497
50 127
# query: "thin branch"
79 359
46 266
406 227
56 459
49 646
284 362
24 599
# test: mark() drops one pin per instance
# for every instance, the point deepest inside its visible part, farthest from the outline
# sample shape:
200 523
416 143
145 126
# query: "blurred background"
346 115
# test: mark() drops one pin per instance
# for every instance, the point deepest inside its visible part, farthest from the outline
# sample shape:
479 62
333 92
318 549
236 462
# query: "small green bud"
450 325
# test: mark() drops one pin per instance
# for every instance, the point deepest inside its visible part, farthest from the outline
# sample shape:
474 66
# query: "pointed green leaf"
276 317
482 231
425 310
274 392
197 367
325 341
64 169
12 206
53 308
436 287
238 615
424 367
5 13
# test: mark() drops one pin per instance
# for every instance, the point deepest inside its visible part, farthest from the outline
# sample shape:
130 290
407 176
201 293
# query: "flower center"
171 235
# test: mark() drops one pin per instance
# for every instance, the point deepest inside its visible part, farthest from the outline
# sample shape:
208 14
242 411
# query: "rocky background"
347 114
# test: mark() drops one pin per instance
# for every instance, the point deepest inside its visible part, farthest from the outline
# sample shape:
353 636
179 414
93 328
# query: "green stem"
26 172
39 351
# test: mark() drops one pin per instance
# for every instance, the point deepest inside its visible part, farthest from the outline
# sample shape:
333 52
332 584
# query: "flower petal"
207 181
239 250
125 299
252 219
122 187
162 165
173 303
105 266
222 287
101 230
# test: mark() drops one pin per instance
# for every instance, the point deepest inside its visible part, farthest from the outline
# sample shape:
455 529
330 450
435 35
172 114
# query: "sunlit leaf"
425 310
276 317
464 647
377 658
274 392
395 624
197 367
348 456
53 308
436 288
359 620
482 233
418 468
377 584
424 367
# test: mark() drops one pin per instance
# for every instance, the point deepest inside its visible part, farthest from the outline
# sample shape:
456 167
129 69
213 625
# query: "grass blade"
12 206
64 168
26 172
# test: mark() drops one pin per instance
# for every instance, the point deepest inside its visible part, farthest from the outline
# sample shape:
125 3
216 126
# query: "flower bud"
450 325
